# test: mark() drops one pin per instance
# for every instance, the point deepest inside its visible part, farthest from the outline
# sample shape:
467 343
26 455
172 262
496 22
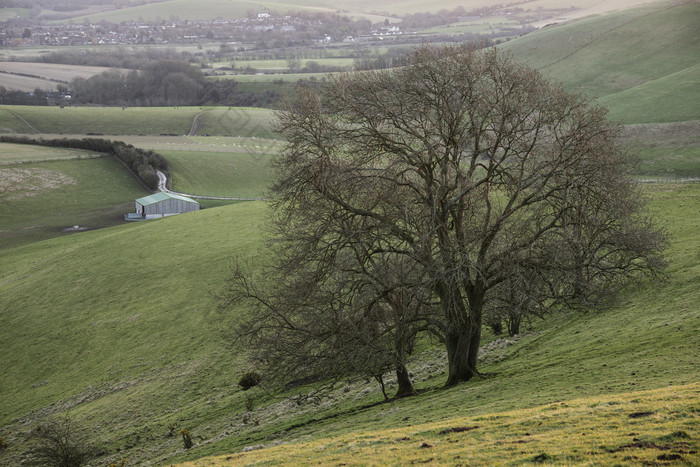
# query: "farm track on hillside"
195 124
20 118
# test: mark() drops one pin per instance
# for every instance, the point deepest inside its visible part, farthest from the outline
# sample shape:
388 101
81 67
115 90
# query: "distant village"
304 29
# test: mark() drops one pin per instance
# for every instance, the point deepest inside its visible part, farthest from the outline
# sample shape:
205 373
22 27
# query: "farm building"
161 205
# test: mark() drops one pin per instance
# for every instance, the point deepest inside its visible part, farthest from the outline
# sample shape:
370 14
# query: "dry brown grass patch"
20 183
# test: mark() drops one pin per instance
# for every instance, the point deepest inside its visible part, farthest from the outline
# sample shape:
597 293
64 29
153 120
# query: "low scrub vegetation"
59 443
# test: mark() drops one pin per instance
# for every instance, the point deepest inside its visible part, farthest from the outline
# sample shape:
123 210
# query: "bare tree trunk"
404 381
474 343
513 323
458 346
475 314
380 380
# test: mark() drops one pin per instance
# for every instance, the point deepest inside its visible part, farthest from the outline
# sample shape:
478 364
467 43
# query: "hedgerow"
143 163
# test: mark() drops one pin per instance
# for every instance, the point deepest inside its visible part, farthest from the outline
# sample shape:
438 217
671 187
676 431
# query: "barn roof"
161 196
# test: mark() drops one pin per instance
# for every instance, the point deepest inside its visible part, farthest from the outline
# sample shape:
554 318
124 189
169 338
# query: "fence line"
668 180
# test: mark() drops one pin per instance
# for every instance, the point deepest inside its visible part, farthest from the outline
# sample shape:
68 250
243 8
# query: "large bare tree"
493 186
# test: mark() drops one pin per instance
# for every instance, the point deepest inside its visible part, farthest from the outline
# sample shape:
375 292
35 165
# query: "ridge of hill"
119 121
388 9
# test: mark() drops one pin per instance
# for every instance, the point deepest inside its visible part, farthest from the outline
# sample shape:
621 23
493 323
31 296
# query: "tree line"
165 83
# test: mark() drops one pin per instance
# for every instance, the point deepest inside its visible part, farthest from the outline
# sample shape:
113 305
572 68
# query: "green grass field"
41 200
589 431
127 350
671 149
118 327
219 173
236 121
248 122
642 62
18 153
281 66
287 78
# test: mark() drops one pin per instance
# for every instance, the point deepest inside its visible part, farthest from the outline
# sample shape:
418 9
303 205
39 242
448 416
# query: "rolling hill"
212 9
642 63
45 192
118 328
128 344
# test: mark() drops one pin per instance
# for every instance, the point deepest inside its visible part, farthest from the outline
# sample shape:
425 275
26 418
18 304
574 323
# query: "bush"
186 438
249 380
58 443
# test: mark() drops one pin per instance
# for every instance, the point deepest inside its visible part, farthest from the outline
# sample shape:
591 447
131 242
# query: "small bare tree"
59 443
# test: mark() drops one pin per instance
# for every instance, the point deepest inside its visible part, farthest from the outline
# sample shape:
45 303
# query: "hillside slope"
117 326
129 345
636 60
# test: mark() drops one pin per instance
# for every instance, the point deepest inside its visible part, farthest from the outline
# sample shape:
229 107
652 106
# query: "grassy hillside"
128 345
649 53
45 191
128 342
219 173
592 431
672 98
22 153
118 327
667 149
237 121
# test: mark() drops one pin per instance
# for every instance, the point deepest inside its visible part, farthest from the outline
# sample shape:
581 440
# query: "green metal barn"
161 205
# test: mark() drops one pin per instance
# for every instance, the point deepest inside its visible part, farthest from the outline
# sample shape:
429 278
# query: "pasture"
11 154
666 149
272 78
282 65
112 121
672 98
119 329
52 71
220 173
587 55
175 370
43 200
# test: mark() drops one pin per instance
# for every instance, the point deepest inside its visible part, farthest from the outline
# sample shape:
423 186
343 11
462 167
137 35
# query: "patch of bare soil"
27 183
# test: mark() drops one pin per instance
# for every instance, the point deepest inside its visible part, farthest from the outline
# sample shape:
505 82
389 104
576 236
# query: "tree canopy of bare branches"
440 191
